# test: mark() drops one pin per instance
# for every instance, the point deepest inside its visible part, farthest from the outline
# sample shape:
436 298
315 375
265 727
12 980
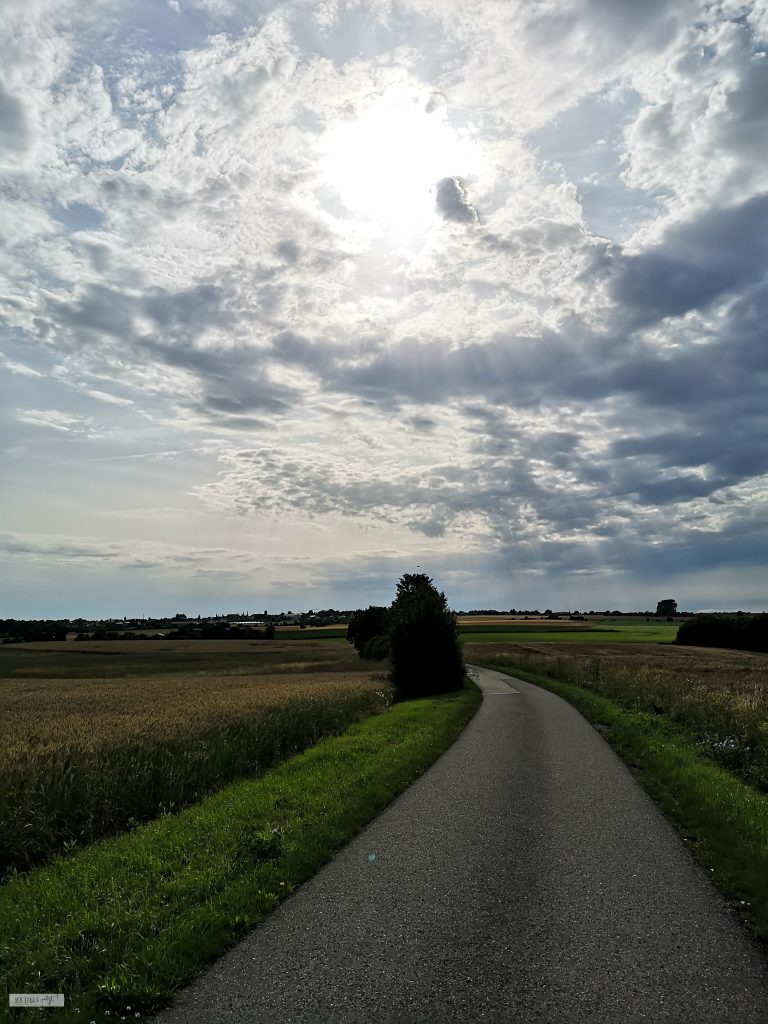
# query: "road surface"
525 877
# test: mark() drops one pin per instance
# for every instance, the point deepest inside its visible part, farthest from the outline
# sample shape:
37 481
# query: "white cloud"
253 223
52 419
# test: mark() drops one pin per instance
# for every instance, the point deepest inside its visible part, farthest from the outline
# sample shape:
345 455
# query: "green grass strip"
122 925
723 820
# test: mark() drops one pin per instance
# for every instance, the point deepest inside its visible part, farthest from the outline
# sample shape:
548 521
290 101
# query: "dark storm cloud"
696 263
452 200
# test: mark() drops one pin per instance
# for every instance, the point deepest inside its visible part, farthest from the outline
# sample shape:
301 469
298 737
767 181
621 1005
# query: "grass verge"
723 820
121 926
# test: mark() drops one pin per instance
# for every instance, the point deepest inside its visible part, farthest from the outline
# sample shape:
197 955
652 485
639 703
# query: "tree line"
739 632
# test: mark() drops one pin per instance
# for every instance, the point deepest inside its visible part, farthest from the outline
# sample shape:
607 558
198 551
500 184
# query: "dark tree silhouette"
667 607
365 625
425 653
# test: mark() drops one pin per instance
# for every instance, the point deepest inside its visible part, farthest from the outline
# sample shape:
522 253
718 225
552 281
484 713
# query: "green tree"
668 607
425 653
365 625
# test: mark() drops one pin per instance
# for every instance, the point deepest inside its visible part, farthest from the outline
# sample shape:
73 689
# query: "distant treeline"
738 632
13 631
21 631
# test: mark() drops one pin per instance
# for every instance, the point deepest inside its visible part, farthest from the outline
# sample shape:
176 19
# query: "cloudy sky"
296 296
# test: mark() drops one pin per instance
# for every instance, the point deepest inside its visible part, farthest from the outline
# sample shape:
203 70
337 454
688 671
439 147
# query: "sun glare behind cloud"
385 164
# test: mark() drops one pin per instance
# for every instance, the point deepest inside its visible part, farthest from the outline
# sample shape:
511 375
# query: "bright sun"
385 164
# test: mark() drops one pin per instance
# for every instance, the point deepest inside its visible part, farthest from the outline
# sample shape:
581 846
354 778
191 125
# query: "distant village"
179 626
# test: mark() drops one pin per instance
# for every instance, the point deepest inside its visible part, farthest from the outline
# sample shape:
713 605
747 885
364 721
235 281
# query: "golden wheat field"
95 738
47 713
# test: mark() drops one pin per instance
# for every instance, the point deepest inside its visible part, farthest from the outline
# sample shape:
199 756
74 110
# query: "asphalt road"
525 877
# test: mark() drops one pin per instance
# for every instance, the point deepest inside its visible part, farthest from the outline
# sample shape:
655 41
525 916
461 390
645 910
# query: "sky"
296 297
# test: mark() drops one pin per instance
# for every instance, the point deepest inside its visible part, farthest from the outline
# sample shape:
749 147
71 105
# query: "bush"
377 649
424 645
365 625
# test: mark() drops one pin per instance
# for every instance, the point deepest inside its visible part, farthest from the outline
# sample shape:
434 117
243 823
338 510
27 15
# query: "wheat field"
45 714
85 756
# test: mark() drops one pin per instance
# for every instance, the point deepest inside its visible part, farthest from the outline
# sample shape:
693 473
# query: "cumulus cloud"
695 263
572 387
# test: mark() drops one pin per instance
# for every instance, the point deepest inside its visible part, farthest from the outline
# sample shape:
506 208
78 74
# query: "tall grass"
721 700
59 792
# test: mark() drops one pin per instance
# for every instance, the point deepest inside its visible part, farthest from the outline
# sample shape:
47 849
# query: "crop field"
43 713
501 622
114 658
721 697
498 629
97 737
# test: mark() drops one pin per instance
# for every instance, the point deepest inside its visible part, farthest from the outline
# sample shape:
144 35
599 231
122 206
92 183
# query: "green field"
122 658
602 631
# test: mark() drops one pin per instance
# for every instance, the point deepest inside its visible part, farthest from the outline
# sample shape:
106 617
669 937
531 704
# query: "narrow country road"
525 878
